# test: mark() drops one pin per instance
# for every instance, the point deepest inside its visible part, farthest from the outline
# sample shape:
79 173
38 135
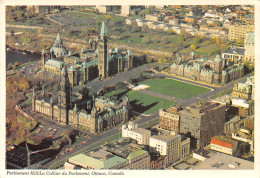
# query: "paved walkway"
159 95
97 85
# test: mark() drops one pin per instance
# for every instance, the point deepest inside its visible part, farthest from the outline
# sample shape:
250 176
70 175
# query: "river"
17 55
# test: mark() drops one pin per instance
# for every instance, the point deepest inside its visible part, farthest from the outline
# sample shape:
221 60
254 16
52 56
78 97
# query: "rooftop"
224 161
215 140
167 136
101 159
235 50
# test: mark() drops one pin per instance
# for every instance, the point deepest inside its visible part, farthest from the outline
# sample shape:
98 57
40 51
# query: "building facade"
242 90
250 47
169 119
216 71
96 61
95 114
171 145
203 121
242 107
119 155
234 54
224 145
232 125
238 31
142 136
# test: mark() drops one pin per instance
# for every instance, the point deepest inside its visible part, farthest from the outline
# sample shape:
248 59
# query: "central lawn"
141 102
174 88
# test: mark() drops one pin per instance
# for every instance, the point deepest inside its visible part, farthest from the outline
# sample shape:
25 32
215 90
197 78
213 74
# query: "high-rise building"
171 145
250 47
169 118
238 31
203 121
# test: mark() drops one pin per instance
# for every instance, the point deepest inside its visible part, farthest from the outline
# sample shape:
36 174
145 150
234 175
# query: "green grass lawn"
141 102
174 88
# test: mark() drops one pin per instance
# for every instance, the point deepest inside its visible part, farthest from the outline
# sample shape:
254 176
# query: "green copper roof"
98 163
103 30
135 154
54 63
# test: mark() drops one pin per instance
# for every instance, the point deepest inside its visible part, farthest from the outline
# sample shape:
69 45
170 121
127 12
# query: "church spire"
103 30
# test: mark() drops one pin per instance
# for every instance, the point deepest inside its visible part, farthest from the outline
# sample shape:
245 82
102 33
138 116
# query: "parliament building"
217 71
96 61
79 109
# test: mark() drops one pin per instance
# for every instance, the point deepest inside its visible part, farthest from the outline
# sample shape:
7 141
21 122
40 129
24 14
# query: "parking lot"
18 156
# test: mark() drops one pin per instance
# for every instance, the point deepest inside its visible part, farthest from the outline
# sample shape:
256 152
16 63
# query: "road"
96 85
99 137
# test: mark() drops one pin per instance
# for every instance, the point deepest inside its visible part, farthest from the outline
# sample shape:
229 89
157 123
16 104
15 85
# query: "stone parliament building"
96 61
217 71
79 109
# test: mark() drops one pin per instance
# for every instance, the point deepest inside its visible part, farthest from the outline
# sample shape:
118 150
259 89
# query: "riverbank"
22 49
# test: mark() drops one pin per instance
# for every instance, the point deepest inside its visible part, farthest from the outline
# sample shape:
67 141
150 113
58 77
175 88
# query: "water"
17 55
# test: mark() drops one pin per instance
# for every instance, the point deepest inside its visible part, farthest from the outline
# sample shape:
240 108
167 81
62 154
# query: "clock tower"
103 64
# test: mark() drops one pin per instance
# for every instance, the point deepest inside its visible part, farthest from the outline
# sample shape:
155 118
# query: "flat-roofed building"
234 54
238 31
251 81
191 19
203 121
242 107
97 159
224 145
122 154
142 136
171 145
169 118
232 125
202 154
242 90
223 161
151 17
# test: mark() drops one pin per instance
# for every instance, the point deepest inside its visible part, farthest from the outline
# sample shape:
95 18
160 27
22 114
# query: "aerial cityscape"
130 87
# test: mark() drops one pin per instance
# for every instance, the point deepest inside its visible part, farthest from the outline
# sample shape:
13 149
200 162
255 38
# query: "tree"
23 84
9 66
193 47
40 30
